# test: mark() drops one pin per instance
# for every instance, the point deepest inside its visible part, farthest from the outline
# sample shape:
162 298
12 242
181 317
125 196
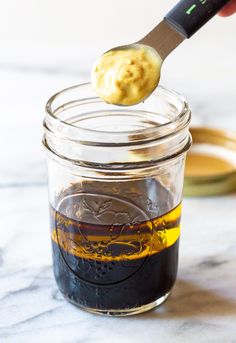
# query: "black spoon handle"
188 16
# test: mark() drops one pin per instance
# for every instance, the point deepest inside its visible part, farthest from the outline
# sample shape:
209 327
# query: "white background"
46 45
76 31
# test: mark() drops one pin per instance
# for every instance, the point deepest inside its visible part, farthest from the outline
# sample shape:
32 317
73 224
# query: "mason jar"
115 178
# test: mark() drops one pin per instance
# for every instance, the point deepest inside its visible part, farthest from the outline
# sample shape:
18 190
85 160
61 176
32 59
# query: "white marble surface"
202 307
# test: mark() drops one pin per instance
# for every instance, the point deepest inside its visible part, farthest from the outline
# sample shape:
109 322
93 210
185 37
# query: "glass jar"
115 191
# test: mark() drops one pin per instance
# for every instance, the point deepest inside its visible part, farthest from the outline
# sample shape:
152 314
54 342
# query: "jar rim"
74 129
156 131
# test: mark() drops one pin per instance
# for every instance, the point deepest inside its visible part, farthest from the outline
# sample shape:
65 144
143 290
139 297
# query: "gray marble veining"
202 307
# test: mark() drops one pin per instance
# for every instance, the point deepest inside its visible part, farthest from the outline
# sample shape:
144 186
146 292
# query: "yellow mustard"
127 76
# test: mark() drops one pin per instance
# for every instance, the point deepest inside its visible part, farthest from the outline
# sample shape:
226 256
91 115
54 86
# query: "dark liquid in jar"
107 253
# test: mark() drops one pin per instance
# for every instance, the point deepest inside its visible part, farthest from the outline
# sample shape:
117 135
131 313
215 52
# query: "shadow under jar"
115 190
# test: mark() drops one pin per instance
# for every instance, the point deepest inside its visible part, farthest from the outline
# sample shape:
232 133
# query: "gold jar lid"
211 163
